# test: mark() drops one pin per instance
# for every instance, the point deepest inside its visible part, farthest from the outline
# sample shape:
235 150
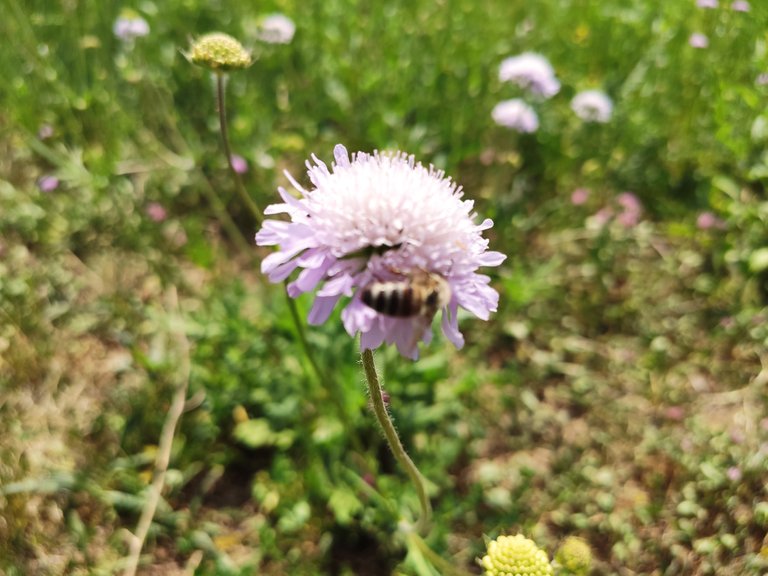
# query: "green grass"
618 394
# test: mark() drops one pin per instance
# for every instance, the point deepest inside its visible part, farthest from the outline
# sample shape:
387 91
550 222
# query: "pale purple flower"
707 3
517 115
156 212
762 79
603 216
374 218
579 196
532 72
708 221
734 473
277 29
239 164
592 106
740 6
130 26
631 209
698 40
45 131
48 183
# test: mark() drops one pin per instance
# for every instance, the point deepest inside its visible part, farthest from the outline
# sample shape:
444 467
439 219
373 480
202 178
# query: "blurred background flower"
532 72
277 29
592 106
517 115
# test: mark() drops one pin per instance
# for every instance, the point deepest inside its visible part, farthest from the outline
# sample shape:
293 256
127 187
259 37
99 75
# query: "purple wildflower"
762 79
277 29
711 4
130 26
631 209
517 115
698 40
740 6
239 164
48 183
734 473
376 218
708 221
579 196
592 106
45 131
532 72
156 212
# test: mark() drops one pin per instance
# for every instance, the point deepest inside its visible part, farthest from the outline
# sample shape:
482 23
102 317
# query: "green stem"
393 440
239 187
437 561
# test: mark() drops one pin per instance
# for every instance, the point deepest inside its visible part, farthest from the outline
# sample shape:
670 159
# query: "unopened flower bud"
515 555
219 52
574 556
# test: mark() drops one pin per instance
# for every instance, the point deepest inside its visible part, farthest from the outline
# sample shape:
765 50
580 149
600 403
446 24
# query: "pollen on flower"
515 555
381 218
220 52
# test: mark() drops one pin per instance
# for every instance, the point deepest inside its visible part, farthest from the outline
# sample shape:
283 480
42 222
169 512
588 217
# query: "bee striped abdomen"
391 298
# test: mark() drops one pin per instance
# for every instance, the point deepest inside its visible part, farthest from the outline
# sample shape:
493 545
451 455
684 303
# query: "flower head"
698 40
707 3
531 72
277 29
579 196
380 218
129 26
48 183
517 115
239 164
592 106
740 6
515 555
219 52
156 212
575 556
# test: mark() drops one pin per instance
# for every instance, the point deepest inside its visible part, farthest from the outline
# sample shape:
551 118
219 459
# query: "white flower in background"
592 106
376 220
517 115
277 29
129 26
531 72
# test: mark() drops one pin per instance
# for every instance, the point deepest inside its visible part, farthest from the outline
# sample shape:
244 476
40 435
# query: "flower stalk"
384 420
239 187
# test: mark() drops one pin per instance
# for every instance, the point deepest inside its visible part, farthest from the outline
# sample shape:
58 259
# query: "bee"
418 295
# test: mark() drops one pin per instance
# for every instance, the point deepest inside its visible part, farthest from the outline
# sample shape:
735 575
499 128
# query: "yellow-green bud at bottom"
219 52
575 556
515 556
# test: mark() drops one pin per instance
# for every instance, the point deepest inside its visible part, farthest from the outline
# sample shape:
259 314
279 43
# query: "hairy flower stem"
374 389
239 187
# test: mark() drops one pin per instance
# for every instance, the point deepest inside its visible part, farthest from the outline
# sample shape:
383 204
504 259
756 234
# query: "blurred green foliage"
618 395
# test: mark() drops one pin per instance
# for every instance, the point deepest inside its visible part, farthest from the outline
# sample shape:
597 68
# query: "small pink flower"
708 221
762 79
734 474
740 6
579 196
48 183
45 131
603 216
707 3
239 164
632 209
675 413
156 212
698 40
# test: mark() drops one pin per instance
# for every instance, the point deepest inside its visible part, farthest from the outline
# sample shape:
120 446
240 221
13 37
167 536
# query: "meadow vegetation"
618 394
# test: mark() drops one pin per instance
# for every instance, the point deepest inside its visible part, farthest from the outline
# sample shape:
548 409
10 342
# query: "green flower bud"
219 52
515 555
575 556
